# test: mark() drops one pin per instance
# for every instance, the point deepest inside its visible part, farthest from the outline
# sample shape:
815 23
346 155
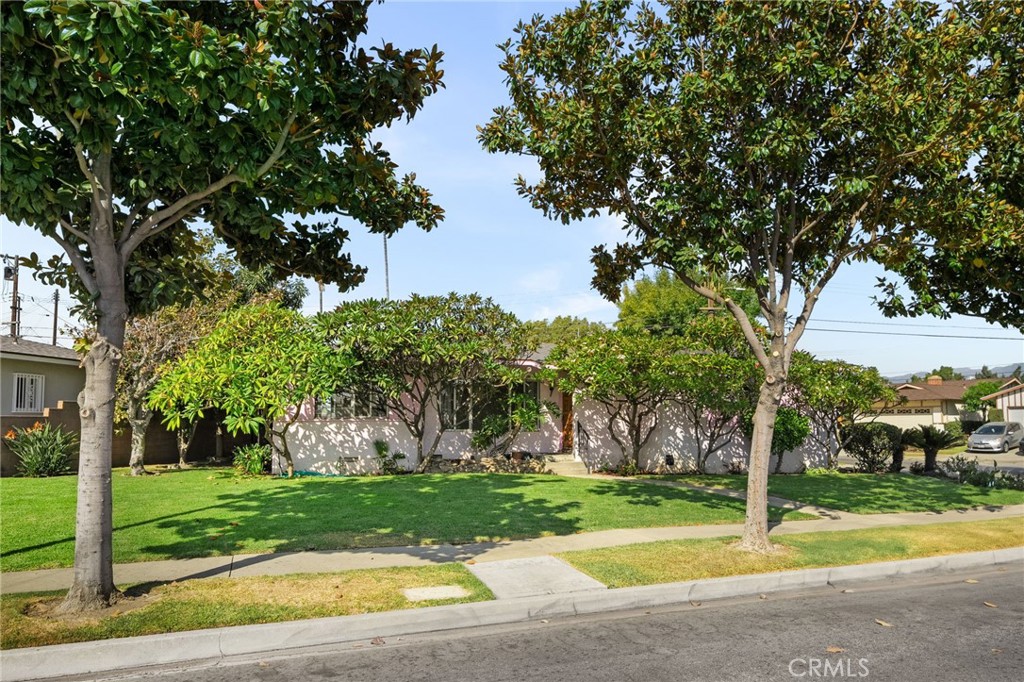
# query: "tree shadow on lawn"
324 514
885 493
650 493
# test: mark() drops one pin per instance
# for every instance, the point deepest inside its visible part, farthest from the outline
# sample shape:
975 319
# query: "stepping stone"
532 577
430 593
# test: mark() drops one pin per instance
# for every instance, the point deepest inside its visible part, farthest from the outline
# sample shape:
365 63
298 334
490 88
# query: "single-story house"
35 376
38 382
41 383
934 401
337 436
1010 400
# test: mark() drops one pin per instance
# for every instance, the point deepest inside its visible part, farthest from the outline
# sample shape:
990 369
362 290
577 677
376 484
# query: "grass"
679 560
870 493
195 604
210 512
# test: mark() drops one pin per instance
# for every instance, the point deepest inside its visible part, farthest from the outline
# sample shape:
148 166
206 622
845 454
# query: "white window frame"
36 393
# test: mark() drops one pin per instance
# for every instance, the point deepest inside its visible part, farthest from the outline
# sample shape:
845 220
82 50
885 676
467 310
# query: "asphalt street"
932 628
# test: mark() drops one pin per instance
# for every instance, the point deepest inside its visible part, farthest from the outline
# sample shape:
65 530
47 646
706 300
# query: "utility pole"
11 275
387 275
56 300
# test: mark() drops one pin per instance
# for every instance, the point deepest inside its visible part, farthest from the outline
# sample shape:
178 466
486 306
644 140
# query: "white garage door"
1015 414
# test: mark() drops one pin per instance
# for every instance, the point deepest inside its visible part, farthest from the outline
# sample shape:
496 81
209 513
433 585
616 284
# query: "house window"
28 392
365 402
465 407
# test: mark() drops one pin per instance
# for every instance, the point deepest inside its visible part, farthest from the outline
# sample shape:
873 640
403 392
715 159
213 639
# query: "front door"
567 419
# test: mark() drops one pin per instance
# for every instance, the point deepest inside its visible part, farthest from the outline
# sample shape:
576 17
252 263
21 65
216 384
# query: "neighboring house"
41 383
38 382
1010 399
933 401
35 376
336 436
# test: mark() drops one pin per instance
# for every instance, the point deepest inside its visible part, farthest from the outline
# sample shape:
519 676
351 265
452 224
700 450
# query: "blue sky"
492 242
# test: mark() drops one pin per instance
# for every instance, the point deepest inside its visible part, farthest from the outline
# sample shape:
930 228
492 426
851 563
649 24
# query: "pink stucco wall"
345 446
673 436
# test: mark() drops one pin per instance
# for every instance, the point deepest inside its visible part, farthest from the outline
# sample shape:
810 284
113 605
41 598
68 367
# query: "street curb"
106 656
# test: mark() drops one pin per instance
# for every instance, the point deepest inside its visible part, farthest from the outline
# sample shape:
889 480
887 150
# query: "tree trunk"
897 462
281 451
139 425
184 437
93 584
929 459
778 463
755 527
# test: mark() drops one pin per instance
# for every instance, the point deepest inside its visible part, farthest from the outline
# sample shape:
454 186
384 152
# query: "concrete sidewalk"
210 647
242 565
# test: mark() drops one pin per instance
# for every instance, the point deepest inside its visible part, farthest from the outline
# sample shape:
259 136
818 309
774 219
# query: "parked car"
996 437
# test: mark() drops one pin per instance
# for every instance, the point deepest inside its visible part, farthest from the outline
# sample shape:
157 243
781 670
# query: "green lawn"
210 512
679 560
870 493
153 608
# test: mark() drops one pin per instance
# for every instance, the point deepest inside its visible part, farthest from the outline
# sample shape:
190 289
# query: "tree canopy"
126 122
630 375
664 304
562 328
446 354
973 394
259 365
770 143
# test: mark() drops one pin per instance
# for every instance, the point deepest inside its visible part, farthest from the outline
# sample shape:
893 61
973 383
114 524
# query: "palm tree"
902 439
931 439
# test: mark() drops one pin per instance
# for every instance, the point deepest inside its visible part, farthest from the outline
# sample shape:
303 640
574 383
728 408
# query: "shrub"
1010 481
931 439
968 472
959 467
969 426
983 478
42 449
955 429
995 414
917 468
737 466
251 460
626 467
873 445
387 462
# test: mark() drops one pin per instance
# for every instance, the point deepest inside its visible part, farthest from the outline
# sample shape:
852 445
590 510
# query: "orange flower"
10 434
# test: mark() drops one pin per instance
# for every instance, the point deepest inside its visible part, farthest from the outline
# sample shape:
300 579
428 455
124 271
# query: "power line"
903 324
934 336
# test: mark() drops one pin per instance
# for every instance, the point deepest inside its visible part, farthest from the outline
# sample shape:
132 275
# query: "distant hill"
968 372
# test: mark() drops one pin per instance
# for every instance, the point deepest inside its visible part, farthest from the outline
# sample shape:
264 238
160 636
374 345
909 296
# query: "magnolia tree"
258 365
769 143
631 376
414 350
127 122
834 394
